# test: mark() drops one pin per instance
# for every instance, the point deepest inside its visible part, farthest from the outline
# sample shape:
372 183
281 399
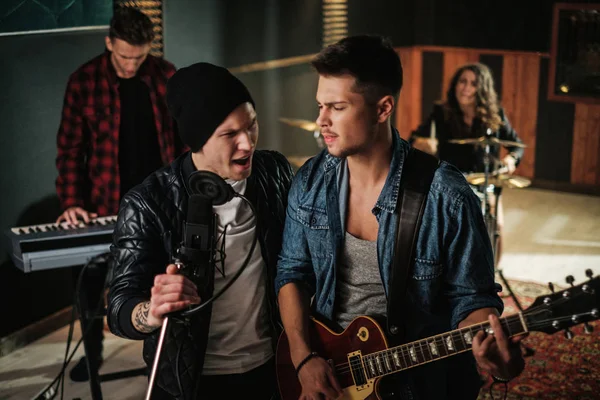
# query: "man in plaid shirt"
115 130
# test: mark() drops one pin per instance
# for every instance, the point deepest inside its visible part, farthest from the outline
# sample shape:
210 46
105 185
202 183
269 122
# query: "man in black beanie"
227 351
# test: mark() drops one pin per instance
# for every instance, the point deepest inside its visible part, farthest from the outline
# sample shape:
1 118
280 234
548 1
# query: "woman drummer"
471 111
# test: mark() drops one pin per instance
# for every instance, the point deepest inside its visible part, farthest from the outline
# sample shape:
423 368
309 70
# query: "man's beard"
354 149
347 151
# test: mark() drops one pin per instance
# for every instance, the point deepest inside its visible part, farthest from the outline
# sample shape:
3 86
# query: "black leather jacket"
149 230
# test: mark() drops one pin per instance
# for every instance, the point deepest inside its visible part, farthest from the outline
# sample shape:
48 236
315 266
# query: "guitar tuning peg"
589 273
568 334
570 280
588 328
551 286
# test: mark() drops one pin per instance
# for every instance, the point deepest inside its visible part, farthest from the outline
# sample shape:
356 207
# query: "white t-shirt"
239 335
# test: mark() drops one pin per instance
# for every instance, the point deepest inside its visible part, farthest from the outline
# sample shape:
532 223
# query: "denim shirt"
453 271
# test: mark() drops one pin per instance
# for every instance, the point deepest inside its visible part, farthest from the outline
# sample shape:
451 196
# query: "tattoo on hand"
140 321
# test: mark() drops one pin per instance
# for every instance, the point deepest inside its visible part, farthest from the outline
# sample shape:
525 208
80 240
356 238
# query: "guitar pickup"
357 369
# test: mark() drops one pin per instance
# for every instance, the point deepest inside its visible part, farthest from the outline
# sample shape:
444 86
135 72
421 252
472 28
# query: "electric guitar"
360 355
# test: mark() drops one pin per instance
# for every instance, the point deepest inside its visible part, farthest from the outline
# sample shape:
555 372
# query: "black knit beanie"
200 97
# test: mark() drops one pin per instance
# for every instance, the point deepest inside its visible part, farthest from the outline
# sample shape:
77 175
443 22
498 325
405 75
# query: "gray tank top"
359 289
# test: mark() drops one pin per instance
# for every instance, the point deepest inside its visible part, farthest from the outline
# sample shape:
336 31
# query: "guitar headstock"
561 310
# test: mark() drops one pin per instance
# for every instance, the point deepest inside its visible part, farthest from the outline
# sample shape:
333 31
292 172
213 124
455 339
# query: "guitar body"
363 361
363 335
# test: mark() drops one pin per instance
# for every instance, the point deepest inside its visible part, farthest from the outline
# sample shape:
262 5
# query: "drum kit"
487 184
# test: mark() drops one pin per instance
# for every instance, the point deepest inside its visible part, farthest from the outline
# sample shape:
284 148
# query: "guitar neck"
433 348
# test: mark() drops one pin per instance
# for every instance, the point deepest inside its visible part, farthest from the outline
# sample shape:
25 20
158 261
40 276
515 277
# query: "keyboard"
48 246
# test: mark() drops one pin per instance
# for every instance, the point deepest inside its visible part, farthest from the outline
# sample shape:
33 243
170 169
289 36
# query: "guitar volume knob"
363 334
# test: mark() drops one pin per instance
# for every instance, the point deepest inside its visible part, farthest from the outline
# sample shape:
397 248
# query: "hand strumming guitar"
317 379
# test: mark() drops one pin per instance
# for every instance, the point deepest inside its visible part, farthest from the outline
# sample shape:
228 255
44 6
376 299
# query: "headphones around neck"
211 186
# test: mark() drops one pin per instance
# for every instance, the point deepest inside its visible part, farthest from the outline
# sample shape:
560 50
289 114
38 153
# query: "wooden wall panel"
408 109
585 167
520 91
520 99
453 59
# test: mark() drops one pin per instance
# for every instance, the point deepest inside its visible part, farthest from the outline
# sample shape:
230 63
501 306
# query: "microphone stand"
161 340
187 313
192 257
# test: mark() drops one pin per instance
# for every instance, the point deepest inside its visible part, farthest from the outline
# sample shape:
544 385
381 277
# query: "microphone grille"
199 209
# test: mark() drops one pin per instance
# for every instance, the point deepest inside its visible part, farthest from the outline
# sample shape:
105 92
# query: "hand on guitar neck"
495 353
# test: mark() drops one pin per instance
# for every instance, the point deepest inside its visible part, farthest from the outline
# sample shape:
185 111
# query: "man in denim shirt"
340 231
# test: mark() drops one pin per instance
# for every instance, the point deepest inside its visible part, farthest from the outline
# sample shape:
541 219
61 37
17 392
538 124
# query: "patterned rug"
559 368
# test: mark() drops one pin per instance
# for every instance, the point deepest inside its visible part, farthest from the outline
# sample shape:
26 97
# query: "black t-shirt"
139 153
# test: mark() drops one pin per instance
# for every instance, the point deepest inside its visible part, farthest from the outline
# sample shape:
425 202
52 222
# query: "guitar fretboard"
412 354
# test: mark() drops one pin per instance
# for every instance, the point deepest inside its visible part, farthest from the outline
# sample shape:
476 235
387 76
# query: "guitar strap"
417 175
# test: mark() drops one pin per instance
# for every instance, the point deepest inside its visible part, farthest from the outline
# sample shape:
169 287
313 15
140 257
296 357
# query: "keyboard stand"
85 318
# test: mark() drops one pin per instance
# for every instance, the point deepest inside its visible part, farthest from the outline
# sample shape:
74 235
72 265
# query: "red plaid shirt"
88 137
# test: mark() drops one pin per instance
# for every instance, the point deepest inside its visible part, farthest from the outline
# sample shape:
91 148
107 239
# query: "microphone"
208 188
194 259
200 229
195 256
197 249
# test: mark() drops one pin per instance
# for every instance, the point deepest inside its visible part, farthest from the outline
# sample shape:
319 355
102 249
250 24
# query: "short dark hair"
132 26
370 59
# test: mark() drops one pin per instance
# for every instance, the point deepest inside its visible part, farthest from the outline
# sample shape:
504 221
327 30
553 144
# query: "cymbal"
301 123
298 161
483 140
511 181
